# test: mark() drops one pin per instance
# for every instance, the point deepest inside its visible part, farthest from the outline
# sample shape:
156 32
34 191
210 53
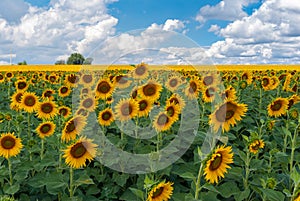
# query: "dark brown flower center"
19 97
87 78
9 75
47 108
226 112
103 87
265 82
70 126
63 111
22 85
48 94
162 120
193 87
216 163
158 192
1 77
8 142
244 76
173 82
170 111
87 103
134 94
29 101
210 92
149 89
174 100
73 79
45 128
78 150
208 80
143 105
106 115
276 105
121 79
140 70
126 109
64 90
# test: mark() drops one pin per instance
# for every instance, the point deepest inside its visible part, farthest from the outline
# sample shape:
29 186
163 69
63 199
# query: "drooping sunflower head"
16 100
126 109
227 114
218 163
45 129
161 192
64 111
151 90
47 109
141 71
106 117
29 102
79 152
9 145
73 127
293 100
278 107
255 145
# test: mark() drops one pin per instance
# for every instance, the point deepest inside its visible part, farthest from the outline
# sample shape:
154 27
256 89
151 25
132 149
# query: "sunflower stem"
28 124
285 138
42 150
198 182
10 172
247 170
71 183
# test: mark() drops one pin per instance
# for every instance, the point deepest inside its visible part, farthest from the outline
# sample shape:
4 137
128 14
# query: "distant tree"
60 62
22 63
76 59
88 61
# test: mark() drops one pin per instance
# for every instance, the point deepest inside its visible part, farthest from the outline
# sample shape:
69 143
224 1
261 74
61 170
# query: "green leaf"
273 195
137 192
188 176
242 155
11 189
210 187
295 176
83 179
228 189
242 195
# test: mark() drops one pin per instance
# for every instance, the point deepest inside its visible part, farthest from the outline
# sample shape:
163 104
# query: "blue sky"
227 31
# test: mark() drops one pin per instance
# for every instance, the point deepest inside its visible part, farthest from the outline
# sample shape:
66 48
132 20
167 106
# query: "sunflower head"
163 191
21 85
278 107
140 71
126 109
104 88
64 91
151 90
73 127
79 152
47 109
217 164
29 102
9 145
255 145
106 117
45 129
162 122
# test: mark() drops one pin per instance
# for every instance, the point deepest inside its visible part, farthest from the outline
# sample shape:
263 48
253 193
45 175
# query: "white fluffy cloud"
224 10
65 27
270 35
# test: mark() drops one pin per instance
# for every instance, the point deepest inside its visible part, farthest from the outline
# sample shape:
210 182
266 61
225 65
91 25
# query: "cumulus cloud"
66 26
224 10
270 35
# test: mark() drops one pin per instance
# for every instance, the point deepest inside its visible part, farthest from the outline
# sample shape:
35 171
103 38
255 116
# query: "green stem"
28 124
71 183
198 182
285 138
159 141
10 172
42 150
247 170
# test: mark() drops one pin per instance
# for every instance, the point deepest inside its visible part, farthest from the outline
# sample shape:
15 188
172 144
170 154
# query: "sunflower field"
144 132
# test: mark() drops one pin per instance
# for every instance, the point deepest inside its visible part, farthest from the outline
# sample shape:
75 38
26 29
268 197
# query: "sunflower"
45 129
151 90
145 107
64 91
48 94
274 82
29 102
293 100
21 85
9 145
53 78
192 90
122 81
177 99
71 80
256 145
87 80
161 192
78 153
1 78
16 100
9 75
217 164
126 109
73 127
278 107
105 117
141 71
104 89
173 111
64 111
229 94
227 114
209 80
208 94
162 122
266 83
88 103
47 110
247 76
173 83
293 113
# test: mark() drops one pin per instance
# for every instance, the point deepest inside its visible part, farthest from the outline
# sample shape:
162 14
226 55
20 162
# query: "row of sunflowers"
141 133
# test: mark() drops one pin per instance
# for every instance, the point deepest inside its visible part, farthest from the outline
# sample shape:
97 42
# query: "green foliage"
75 59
